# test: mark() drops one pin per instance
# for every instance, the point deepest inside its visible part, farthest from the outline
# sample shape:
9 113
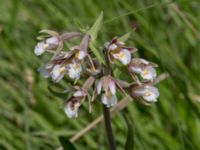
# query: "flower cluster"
79 62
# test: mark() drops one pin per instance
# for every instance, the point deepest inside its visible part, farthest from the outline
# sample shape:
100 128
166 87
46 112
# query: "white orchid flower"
124 56
40 48
44 45
71 108
148 92
74 70
58 72
144 68
109 96
109 100
148 73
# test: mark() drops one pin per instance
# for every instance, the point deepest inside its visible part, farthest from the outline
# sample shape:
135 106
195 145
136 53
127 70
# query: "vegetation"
166 32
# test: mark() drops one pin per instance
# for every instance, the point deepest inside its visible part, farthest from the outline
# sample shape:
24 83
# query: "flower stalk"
106 111
108 127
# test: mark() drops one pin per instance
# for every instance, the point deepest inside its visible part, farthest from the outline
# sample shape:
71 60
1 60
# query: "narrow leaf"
97 53
130 135
96 27
57 94
66 144
125 37
50 32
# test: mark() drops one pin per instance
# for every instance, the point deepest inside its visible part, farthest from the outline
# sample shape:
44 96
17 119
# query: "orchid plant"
81 62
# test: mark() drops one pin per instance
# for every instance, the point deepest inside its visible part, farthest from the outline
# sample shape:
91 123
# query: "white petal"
52 40
124 56
99 87
74 71
148 73
127 57
112 47
135 69
151 94
81 55
104 99
39 48
113 101
57 73
43 71
71 112
109 101
143 61
79 93
112 87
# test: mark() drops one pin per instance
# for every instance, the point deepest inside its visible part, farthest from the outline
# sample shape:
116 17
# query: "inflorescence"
79 62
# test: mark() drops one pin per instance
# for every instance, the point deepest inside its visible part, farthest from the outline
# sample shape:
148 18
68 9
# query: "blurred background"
167 33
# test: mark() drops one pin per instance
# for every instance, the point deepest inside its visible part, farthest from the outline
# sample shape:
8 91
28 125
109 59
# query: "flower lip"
40 48
109 101
71 107
81 54
148 92
58 72
74 70
124 56
148 73
143 67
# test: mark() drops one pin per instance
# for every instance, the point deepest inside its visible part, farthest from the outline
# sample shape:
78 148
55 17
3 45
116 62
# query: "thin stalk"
106 111
107 120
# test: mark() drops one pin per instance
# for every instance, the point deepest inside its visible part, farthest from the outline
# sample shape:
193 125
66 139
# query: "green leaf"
58 94
125 37
96 27
97 53
130 135
66 144
93 32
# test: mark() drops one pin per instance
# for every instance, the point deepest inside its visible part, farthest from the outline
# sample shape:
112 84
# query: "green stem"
106 112
107 120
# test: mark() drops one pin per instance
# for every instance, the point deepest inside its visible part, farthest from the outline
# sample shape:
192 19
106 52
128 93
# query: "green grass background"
32 118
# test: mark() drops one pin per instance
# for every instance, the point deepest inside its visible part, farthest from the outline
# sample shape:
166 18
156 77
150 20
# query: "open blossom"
148 92
143 67
58 72
123 55
108 97
78 53
148 73
74 70
71 107
117 50
48 44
